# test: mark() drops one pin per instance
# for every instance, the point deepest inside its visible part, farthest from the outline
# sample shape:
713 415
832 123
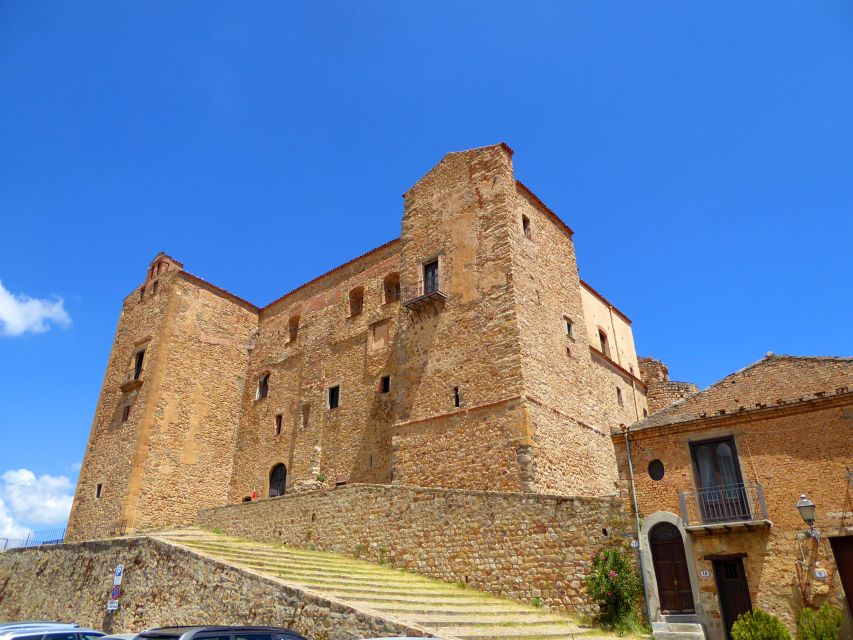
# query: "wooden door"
842 549
732 589
671 573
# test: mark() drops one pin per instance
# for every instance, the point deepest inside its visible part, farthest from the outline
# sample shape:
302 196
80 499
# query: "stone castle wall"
523 546
661 391
164 586
351 443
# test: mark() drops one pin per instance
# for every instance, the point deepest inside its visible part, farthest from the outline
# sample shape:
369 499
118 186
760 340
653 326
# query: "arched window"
356 301
602 338
391 287
278 479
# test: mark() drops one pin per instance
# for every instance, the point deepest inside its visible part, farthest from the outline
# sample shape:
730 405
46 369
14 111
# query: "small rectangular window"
385 384
293 328
525 226
98 490
278 425
457 401
125 413
334 396
570 327
154 287
619 397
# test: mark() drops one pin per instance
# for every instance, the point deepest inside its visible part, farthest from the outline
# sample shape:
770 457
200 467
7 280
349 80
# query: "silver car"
50 631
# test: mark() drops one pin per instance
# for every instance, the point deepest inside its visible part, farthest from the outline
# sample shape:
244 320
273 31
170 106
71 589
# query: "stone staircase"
446 610
685 629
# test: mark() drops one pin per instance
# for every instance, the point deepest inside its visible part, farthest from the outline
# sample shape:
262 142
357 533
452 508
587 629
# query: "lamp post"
807 512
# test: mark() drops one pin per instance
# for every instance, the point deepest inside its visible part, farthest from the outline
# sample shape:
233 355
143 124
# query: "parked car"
50 631
13 626
119 636
220 633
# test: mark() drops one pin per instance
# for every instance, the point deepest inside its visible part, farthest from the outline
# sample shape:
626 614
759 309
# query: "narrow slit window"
154 287
306 413
293 327
356 301
525 226
125 413
570 327
142 293
334 396
619 397
263 386
137 364
385 384
98 490
602 339
457 402
278 425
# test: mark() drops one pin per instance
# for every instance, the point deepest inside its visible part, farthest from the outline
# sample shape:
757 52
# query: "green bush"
759 625
614 585
823 624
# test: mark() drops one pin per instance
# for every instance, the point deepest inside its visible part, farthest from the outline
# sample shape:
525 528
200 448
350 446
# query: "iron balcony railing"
425 295
724 504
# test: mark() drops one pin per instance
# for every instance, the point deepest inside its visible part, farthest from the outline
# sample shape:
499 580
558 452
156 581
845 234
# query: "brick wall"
522 546
790 451
164 586
661 391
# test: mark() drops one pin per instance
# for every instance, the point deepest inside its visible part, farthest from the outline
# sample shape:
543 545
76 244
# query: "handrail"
721 504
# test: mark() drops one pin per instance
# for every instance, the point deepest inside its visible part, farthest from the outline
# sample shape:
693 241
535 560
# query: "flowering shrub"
759 625
615 585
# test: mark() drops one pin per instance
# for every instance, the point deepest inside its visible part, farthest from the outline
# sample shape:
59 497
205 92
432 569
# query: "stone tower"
162 440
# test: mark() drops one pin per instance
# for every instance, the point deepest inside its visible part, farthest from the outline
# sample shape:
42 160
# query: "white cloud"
20 313
37 501
9 528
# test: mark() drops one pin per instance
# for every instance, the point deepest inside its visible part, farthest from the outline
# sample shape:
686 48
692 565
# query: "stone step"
678 635
272 550
366 592
541 631
484 622
403 604
496 617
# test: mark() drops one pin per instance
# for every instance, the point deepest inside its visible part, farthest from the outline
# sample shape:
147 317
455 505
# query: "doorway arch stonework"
650 579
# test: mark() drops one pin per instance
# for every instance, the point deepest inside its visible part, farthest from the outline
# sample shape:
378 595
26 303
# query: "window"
306 413
391 287
137 364
263 387
385 384
98 490
525 226
125 413
278 425
293 327
334 396
380 334
570 327
656 470
619 397
457 401
720 486
154 287
645 413
602 338
142 293
431 277
356 301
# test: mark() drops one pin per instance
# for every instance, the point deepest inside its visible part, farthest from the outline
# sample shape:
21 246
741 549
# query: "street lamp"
807 513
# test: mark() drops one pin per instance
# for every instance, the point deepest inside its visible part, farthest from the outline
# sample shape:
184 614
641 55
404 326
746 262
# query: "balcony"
131 380
724 508
428 302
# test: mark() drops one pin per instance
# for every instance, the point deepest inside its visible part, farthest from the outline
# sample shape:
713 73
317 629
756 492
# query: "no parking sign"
112 603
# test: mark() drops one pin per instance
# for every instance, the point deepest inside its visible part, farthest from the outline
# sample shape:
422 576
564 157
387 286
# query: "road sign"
112 605
115 594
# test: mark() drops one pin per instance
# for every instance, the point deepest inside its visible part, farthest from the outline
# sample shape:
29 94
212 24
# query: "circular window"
656 470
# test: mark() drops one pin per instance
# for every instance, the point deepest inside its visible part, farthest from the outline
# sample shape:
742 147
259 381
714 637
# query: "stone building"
465 354
718 476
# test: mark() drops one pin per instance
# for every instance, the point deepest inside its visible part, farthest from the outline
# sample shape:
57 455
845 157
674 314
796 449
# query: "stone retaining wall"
165 585
523 546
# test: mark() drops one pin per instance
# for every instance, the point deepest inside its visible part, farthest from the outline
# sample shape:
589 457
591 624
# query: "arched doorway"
671 572
278 478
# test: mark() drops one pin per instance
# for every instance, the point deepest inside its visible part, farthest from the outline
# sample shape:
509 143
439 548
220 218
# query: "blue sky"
702 152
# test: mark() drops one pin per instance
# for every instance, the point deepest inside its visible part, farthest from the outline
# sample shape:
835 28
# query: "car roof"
43 629
35 623
177 631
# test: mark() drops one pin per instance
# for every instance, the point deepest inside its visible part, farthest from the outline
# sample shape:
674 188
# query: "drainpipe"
625 431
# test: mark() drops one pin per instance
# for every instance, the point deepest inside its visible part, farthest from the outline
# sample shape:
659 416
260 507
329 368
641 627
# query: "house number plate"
705 573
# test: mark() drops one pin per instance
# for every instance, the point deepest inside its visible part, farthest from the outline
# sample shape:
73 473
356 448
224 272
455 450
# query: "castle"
460 398
466 354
